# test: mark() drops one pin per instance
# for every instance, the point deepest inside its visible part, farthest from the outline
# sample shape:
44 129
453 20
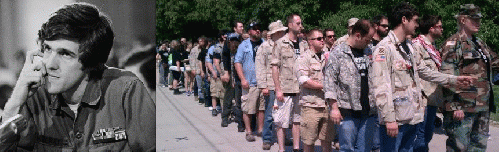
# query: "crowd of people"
377 88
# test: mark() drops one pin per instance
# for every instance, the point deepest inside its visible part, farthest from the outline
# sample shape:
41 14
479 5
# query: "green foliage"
193 18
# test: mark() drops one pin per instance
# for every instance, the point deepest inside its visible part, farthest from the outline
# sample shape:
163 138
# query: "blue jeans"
162 75
199 83
206 92
356 134
425 129
268 135
402 143
376 141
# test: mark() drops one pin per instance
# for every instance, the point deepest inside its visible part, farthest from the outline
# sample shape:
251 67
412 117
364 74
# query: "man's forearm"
311 84
275 77
239 71
217 65
209 66
13 105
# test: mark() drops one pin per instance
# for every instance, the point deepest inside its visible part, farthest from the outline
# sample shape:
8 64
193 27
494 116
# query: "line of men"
374 88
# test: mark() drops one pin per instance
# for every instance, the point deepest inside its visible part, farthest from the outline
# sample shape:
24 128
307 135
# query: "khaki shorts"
252 99
316 124
286 112
216 88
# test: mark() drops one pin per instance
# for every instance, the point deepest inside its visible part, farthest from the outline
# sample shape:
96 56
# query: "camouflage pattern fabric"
469 134
309 67
263 67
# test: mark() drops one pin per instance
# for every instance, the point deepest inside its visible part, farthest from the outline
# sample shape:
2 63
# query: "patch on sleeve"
450 43
381 51
380 58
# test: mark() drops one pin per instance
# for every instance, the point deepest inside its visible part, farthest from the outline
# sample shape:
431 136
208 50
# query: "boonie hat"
352 21
276 27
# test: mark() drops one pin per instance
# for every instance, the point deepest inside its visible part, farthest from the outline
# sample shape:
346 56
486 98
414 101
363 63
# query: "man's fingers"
31 54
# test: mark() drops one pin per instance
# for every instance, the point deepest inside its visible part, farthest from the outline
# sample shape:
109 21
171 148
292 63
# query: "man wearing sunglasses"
315 122
431 29
350 107
252 99
467 110
381 28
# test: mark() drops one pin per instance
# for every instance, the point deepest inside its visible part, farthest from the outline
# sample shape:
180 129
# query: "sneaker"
266 146
214 112
210 108
225 123
250 137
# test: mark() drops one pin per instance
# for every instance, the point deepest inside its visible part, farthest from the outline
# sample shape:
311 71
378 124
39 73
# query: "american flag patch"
380 58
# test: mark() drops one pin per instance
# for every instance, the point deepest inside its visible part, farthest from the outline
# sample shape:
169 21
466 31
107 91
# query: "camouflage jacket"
342 80
263 67
284 56
193 59
432 93
460 56
340 40
395 81
309 67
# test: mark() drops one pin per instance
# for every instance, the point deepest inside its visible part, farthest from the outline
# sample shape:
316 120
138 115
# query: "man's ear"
404 20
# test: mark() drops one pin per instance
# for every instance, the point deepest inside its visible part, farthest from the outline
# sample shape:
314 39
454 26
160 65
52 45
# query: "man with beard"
431 29
381 27
252 100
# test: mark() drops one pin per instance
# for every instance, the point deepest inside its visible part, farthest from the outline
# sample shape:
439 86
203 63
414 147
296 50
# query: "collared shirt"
284 56
119 100
461 56
309 67
395 81
245 57
432 91
263 67
342 80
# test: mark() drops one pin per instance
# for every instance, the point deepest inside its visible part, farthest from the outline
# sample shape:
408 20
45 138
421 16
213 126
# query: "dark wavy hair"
86 25
427 22
400 10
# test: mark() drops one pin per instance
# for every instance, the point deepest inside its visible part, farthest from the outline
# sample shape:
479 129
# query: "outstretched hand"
465 81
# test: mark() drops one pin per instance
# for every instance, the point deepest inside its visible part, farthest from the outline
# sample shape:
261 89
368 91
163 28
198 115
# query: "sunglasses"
318 38
331 36
384 25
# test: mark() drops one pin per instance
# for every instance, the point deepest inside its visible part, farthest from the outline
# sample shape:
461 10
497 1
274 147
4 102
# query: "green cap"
471 10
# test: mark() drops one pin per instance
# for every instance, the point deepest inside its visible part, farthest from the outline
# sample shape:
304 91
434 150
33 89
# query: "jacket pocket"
404 109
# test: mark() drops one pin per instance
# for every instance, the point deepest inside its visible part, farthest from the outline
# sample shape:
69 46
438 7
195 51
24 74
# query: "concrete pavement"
184 125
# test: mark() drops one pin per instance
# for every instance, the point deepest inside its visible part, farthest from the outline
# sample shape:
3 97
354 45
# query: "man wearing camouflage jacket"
467 110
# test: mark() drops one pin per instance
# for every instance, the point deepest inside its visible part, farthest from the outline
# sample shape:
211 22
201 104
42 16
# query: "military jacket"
432 92
342 80
284 56
193 59
340 40
309 67
395 81
460 56
263 67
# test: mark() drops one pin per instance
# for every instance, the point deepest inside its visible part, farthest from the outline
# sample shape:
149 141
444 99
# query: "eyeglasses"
318 38
331 36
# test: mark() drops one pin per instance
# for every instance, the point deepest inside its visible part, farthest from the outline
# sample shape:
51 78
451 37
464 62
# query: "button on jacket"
460 56
342 80
396 86
309 67
263 67
118 100
284 57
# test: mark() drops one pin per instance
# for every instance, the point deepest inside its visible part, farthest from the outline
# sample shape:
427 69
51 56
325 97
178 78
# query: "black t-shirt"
202 57
296 46
375 42
177 56
164 56
255 46
362 62
319 55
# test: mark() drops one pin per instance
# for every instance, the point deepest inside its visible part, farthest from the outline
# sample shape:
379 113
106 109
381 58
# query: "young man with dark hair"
232 84
346 75
286 108
329 39
70 100
395 83
467 110
431 29
214 69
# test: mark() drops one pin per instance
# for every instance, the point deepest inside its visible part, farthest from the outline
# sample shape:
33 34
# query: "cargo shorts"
316 124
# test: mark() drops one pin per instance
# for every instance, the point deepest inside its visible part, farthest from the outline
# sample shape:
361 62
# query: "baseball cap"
254 25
